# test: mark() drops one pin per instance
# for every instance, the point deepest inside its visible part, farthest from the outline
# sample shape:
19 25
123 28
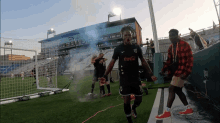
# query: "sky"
30 19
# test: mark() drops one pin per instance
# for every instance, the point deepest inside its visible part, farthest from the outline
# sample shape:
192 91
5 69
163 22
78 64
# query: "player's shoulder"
119 47
184 43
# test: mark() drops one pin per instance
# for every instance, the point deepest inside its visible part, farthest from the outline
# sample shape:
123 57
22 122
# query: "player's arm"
95 59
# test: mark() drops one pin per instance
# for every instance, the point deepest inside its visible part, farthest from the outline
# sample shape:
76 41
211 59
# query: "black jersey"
101 68
34 72
96 64
128 62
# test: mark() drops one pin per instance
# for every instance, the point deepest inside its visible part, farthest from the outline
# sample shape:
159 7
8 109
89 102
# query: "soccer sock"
129 119
187 106
108 87
93 86
102 89
127 109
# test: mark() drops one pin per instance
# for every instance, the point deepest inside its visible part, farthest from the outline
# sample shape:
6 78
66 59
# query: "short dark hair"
174 31
127 28
101 53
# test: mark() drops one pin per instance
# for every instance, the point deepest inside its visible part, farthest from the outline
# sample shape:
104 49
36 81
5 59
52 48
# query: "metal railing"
210 27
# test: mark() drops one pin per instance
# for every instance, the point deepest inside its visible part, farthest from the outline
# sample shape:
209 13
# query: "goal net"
22 74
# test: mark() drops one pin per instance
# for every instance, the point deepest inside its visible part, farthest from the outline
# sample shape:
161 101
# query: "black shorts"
95 77
135 89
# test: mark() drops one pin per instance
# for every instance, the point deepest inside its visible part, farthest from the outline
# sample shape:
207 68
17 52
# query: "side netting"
23 77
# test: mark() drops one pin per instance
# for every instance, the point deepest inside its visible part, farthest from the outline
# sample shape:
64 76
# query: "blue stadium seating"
6 69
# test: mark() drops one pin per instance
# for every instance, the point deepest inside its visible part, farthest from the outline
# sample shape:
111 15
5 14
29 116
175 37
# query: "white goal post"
19 79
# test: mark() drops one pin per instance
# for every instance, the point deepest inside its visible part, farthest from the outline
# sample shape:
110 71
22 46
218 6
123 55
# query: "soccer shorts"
95 77
127 90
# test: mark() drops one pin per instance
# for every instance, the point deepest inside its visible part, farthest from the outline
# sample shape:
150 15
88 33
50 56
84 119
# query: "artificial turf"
66 107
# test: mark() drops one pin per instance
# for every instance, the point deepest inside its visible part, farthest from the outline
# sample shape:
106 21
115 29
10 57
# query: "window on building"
113 36
105 38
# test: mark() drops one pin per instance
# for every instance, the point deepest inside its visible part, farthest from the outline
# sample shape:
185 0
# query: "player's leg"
125 92
138 92
93 83
108 86
95 79
170 100
102 89
182 97
34 80
171 97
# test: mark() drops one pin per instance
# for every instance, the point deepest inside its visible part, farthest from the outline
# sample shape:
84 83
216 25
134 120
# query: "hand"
143 84
183 77
161 73
154 78
102 81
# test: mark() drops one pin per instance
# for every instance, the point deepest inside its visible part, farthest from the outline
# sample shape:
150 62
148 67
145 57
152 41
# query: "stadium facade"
99 36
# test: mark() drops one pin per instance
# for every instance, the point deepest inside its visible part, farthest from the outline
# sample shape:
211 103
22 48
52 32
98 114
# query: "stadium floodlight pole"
8 43
116 11
158 62
51 31
110 15
217 10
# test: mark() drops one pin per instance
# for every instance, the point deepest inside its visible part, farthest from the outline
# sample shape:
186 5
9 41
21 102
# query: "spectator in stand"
200 42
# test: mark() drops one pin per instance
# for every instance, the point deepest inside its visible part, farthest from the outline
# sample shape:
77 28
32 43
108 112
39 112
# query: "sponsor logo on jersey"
135 50
132 58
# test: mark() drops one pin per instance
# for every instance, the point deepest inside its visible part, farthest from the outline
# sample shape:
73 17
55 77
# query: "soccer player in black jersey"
129 74
33 73
101 72
100 67
95 62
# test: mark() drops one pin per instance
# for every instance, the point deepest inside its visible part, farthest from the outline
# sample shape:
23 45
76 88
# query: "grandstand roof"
95 26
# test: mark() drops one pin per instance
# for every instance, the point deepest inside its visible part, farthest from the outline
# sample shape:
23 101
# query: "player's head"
126 33
174 35
151 41
101 55
94 56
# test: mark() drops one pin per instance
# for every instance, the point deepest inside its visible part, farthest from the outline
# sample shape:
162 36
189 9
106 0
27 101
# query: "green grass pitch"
66 107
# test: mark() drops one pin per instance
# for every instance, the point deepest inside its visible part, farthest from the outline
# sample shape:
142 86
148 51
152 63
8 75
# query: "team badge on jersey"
135 50
121 88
